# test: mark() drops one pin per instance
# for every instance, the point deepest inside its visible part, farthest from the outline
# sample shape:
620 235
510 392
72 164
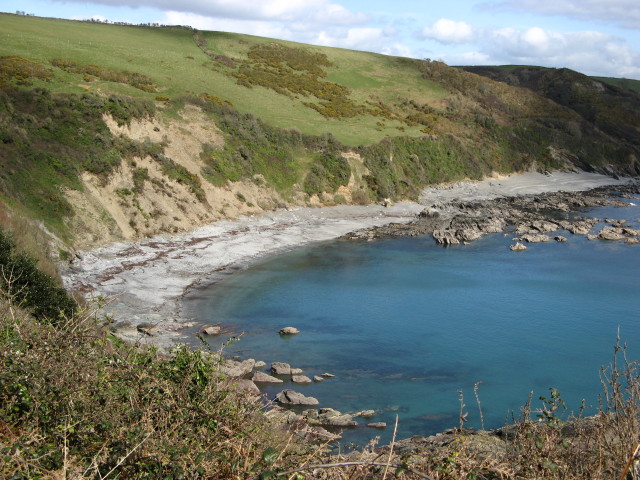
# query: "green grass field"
175 63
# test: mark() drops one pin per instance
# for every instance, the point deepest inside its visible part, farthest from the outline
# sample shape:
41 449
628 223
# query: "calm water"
406 324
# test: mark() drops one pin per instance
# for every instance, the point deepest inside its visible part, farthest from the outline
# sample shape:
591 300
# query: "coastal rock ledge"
291 397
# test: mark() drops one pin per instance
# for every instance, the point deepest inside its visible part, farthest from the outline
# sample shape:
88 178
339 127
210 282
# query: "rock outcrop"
291 397
289 331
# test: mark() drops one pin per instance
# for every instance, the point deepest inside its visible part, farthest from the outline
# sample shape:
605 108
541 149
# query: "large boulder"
231 368
279 368
300 379
289 331
290 397
329 417
334 418
261 377
211 330
246 385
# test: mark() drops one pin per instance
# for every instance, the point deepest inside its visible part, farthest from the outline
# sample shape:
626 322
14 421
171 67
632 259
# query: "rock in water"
300 379
211 330
518 247
535 238
290 397
261 377
377 425
289 331
279 368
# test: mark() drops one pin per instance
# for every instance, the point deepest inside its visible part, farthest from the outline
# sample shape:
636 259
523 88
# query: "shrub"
26 285
21 70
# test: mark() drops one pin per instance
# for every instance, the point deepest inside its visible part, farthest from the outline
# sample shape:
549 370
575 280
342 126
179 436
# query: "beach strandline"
145 282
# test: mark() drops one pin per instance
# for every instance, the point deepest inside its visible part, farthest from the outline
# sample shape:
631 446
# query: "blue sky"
596 37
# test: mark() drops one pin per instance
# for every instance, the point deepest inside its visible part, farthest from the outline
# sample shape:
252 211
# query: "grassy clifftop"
115 132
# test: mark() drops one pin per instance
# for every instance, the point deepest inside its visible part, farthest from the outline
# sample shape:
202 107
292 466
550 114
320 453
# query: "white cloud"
448 31
625 13
357 38
398 50
589 52
321 11
251 27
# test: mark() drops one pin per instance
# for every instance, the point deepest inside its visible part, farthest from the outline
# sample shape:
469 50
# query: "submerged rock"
211 330
365 413
377 425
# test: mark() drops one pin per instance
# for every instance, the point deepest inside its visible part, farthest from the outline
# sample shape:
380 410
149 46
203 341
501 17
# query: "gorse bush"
21 71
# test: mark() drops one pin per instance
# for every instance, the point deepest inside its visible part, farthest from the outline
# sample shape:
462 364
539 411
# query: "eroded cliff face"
139 199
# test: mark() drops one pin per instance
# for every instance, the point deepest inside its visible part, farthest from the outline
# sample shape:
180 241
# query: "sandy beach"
145 281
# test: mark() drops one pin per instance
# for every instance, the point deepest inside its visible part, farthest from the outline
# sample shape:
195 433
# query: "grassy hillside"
178 66
116 132
612 106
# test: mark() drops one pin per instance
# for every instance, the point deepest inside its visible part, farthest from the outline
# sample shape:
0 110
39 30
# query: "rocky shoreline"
533 217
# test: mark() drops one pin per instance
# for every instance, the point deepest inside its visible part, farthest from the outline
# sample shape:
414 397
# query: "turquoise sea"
406 325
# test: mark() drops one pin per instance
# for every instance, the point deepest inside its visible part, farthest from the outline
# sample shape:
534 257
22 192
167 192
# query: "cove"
405 325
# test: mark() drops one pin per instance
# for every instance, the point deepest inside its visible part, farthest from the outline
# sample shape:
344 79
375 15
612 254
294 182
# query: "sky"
595 37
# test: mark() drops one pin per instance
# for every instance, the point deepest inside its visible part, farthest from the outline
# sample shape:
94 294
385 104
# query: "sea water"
414 330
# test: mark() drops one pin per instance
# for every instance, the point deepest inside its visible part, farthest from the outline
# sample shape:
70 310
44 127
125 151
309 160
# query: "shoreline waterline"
146 281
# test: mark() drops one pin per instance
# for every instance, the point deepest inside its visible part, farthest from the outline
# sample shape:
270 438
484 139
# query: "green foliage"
136 80
124 109
140 175
177 172
48 140
77 400
551 405
26 285
327 174
251 147
297 72
401 166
